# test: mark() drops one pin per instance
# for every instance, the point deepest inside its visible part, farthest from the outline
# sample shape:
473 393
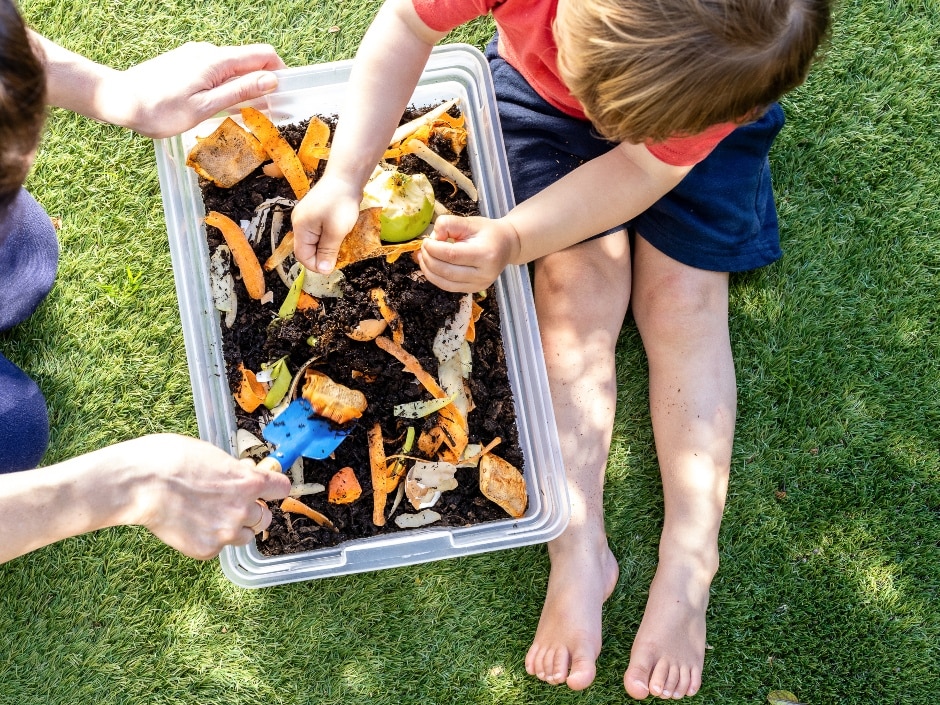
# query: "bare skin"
579 338
682 317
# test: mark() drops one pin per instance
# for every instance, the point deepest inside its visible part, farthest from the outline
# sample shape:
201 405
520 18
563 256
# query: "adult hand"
179 89
322 219
467 254
197 498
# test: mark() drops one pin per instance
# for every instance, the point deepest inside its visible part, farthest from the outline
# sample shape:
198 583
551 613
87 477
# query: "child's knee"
676 306
24 420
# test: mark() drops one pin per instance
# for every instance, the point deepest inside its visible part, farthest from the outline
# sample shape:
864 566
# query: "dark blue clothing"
29 255
720 217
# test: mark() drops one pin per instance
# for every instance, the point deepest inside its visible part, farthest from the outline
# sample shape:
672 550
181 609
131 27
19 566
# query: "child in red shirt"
637 135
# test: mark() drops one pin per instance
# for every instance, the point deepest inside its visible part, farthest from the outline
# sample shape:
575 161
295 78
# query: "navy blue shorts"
29 255
720 217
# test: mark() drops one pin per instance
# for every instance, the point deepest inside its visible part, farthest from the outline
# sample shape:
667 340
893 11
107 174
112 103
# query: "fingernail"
267 82
324 267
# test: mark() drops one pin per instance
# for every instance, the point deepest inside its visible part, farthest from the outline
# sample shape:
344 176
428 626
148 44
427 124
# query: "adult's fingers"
240 89
239 60
274 485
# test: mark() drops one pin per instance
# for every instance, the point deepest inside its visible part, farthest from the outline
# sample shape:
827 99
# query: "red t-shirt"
526 42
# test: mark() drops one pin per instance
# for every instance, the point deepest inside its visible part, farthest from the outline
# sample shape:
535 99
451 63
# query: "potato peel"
226 156
503 484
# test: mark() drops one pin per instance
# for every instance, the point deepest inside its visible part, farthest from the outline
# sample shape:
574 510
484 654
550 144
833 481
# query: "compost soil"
258 336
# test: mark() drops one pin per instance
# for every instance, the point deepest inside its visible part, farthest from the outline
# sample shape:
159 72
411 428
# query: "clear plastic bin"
453 71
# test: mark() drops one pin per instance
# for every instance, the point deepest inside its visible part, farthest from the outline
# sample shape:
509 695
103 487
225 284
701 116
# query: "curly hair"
646 70
22 101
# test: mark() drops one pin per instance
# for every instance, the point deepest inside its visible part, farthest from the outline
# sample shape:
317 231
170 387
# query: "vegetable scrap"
344 487
226 156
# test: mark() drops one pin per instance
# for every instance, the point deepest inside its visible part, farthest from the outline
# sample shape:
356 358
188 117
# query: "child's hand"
467 254
321 220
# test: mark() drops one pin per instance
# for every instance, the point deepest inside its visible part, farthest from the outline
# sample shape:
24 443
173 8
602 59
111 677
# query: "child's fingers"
447 276
317 239
453 228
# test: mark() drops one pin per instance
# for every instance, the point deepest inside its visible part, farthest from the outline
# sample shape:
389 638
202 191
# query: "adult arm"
190 494
167 94
467 254
388 65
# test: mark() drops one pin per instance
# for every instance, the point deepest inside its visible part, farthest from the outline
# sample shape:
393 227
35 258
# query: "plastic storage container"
453 71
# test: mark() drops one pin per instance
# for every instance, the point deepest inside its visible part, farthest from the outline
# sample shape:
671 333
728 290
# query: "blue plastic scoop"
300 431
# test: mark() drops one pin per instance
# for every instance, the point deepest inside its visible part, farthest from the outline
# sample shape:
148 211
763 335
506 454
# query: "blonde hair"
646 70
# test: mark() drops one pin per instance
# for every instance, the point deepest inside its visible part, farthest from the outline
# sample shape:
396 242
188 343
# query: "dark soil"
258 336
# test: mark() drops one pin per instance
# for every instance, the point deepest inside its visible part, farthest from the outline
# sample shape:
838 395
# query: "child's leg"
581 298
682 316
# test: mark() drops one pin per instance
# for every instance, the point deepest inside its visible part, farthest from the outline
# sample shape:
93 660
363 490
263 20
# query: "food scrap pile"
416 375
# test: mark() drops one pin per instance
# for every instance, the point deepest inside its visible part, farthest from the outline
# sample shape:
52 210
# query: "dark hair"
646 70
22 101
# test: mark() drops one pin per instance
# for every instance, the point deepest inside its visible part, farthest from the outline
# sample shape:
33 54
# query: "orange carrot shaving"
332 400
393 252
278 149
295 506
242 252
251 392
389 314
429 442
284 249
317 135
411 364
483 451
379 470
344 487
476 312
455 428
453 423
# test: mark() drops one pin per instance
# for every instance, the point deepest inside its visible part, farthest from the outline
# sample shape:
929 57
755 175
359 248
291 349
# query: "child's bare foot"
669 649
568 639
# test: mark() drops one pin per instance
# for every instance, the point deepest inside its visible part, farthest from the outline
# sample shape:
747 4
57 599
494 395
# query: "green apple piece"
407 203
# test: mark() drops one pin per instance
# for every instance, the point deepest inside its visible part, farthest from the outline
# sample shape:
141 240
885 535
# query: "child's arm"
388 65
165 95
467 254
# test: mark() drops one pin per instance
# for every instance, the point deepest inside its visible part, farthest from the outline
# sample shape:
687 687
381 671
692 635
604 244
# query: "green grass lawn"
830 578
